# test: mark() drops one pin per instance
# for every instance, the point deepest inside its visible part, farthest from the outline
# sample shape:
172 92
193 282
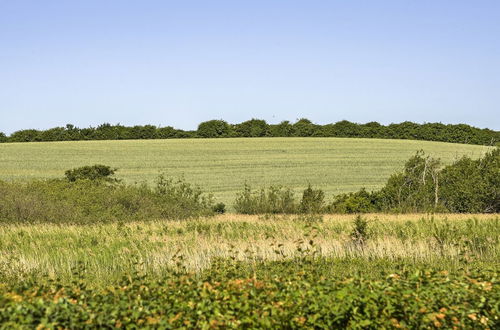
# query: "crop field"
222 166
229 271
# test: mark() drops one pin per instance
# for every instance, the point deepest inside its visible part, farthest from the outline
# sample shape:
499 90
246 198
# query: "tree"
416 188
472 185
27 135
252 128
214 129
304 127
283 129
3 137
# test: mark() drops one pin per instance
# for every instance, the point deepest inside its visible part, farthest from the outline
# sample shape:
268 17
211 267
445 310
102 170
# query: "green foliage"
466 186
283 129
294 294
312 201
361 201
460 133
472 185
214 129
304 127
414 189
85 202
3 137
252 128
359 233
92 173
219 208
275 199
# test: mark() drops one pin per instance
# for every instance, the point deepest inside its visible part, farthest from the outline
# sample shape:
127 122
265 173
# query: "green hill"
222 166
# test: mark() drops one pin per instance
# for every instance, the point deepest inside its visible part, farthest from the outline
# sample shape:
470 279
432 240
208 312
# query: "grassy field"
222 166
112 250
234 271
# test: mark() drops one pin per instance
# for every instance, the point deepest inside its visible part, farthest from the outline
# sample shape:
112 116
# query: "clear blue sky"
182 62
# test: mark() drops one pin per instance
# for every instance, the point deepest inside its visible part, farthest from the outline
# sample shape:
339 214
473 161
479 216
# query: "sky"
178 63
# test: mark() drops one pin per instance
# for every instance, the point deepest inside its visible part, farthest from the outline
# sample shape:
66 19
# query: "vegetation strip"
460 133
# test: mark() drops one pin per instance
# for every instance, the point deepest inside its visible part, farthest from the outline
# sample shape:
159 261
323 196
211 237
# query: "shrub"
275 199
219 208
85 202
354 202
359 233
92 173
472 185
413 189
312 201
287 295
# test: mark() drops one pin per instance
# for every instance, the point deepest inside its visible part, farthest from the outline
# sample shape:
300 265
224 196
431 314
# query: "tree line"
454 133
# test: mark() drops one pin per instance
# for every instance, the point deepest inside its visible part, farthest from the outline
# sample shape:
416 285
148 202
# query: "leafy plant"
92 173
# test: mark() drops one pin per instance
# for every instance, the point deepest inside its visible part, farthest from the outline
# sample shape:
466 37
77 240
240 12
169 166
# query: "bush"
312 201
219 208
275 199
413 189
359 233
285 295
355 202
472 185
92 173
87 202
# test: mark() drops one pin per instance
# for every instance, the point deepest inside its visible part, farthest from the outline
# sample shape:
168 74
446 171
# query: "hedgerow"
84 201
292 295
460 133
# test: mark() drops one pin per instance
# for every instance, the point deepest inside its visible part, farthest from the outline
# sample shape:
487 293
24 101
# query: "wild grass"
222 166
108 251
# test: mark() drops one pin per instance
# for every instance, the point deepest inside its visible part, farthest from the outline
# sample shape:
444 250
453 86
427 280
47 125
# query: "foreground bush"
87 201
291 295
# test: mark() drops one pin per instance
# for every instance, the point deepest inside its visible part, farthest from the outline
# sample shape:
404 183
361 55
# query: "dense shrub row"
85 201
460 133
466 186
287 294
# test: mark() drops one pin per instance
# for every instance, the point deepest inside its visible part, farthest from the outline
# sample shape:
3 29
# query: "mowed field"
222 166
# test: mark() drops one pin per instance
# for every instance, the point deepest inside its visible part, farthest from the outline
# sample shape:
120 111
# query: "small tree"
312 200
92 173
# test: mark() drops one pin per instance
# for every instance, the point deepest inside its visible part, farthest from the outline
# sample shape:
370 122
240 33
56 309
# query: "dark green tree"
252 128
472 185
214 129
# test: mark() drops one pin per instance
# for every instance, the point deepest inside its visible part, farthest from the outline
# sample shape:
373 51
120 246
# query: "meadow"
108 251
233 271
222 166
96 253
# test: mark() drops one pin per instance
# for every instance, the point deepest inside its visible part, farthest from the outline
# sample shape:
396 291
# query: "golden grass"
113 249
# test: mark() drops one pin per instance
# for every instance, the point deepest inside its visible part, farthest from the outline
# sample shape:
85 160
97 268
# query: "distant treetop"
460 133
